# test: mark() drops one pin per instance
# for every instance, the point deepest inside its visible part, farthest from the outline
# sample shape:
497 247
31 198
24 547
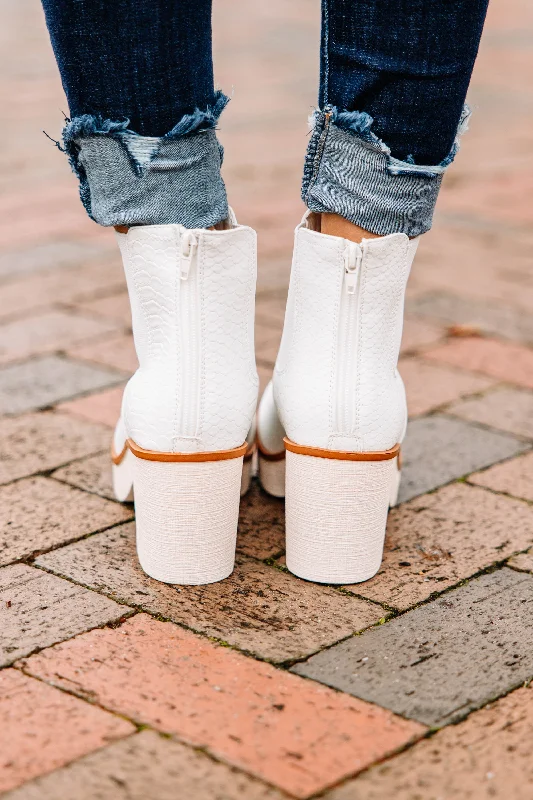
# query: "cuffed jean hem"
350 172
128 179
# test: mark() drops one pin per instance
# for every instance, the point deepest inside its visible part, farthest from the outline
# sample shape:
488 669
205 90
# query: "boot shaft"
336 383
192 298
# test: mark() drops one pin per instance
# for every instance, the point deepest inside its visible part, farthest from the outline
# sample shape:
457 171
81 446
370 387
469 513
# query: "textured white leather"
271 431
310 363
122 477
195 351
120 436
272 476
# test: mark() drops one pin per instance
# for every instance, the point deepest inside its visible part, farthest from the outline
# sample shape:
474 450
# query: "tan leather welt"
249 452
117 458
266 454
215 455
341 455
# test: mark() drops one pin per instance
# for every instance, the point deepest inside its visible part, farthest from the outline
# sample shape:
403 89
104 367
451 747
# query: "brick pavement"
264 686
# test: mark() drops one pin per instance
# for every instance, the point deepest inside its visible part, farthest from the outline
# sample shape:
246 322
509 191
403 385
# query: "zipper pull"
188 246
353 256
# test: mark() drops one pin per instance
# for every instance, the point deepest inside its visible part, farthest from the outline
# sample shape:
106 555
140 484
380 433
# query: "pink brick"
93 474
487 757
296 734
502 360
267 339
53 330
522 561
39 442
42 728
270 310
118 352
505 408
418 334
115 307
39 513
429 386
103 407
62 286
513 477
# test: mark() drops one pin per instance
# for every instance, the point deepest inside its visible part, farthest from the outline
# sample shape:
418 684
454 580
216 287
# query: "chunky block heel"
122 474
271 471
336 512
186 511
247 472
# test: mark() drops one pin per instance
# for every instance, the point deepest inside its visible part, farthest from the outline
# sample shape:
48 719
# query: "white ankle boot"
182 436
337 398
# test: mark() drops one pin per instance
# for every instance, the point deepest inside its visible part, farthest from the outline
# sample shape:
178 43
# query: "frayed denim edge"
360 124
95 125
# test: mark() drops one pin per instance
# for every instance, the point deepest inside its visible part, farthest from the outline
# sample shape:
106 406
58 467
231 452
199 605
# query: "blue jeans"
138 76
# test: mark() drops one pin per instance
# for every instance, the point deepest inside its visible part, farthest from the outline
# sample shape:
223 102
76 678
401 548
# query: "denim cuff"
350 172
128 179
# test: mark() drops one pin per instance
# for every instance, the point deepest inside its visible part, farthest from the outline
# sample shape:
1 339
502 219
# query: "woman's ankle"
335 225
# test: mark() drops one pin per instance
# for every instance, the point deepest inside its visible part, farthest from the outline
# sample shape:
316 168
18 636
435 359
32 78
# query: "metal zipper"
349 340
189 334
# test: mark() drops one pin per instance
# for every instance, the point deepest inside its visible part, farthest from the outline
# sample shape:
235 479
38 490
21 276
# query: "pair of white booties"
329 425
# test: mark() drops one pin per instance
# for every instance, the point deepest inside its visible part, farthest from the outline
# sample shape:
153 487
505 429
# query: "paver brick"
117 352
65 728
44 381
259 609
418 334
92 474
39 513
466 254
504 408
439 449
60 286
502 360
514 477
46 255
103 407
270 309
443 659
37 610
295 734
429 386
261 532
53 330
116 307
437 540
267 340
146 766
265 375
522 561
38 442
486 757
499 319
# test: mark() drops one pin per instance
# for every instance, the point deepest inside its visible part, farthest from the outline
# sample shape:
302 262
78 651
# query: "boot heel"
271 471
247 473
336 512
186 514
